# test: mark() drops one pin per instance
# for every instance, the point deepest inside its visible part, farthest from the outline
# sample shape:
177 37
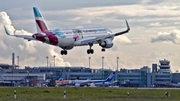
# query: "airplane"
69 38
108 80
62 82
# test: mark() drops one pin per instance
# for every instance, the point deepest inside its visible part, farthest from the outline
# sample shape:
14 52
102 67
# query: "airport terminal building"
160 76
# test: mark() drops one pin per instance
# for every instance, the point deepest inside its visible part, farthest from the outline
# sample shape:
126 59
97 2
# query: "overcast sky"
154 34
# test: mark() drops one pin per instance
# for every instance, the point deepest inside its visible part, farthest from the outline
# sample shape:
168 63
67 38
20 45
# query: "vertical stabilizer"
40 23
110 77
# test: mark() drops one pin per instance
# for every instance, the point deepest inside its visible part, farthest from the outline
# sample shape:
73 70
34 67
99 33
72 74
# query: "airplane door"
79 33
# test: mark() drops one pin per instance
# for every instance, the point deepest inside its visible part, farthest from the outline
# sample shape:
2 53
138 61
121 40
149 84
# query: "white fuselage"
74 37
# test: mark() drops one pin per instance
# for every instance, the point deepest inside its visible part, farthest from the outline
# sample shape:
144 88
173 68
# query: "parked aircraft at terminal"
67 39
109 80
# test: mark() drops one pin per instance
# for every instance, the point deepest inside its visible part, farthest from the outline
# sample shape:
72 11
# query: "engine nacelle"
106 43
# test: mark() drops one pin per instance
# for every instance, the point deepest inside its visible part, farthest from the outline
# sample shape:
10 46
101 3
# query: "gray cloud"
30 53
172 36
146 18
34 53
62 4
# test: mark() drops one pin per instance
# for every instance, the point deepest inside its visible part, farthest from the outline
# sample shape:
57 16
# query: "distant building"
6 66
154 68
164 66
159 79
133 77
176 77
161 75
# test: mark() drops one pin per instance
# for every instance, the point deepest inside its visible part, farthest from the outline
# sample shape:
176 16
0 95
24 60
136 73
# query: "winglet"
6 30
123 32
128 28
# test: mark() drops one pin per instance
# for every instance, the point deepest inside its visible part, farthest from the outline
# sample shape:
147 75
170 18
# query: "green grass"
87 94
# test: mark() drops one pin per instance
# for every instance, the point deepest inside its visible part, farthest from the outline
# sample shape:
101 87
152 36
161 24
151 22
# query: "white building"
23 79
163 77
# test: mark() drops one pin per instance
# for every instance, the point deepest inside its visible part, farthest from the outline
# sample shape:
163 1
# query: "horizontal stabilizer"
6 30
27 37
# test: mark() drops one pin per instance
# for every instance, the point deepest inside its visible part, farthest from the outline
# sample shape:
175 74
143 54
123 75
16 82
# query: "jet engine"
106 43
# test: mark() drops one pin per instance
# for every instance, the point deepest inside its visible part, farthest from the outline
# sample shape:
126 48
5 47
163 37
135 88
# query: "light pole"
117 63
102 66
13 66
102 69
68 73
18 60
89 61
54 60
28 78
117 69
47 60
12 75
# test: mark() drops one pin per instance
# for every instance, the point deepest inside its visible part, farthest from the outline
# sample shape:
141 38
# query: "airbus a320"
69 38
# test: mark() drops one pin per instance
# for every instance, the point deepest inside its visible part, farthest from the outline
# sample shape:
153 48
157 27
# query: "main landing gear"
90 51
64 52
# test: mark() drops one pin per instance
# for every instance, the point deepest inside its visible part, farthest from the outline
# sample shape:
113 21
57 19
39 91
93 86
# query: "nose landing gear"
103 50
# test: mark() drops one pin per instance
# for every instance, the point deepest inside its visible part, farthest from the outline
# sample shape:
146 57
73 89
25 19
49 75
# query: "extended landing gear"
90 51
103 50
63 52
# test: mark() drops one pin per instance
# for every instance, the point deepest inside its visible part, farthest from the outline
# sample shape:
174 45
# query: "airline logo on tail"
41 26
110 78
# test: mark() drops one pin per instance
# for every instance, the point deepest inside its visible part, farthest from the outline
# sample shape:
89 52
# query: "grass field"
88 94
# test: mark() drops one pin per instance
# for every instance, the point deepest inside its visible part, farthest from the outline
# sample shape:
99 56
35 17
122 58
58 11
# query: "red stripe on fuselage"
40 37
52 38
41 25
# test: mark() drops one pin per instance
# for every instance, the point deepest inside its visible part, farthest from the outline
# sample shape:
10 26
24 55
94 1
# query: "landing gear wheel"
63 52
103 50
90 51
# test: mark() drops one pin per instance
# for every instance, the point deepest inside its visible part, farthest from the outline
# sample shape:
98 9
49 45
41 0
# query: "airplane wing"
27 37
99 39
